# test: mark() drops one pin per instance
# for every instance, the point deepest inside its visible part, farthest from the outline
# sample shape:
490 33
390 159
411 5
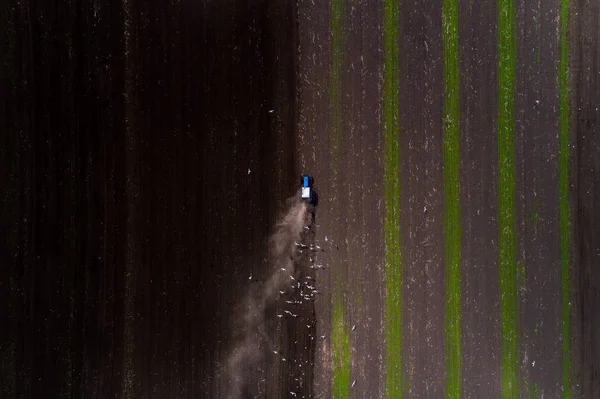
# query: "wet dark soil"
148 148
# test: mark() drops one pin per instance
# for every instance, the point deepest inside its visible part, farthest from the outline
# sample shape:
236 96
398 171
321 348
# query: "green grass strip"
340 347
534 391
391 176
563 200
506 203
452 228
340 340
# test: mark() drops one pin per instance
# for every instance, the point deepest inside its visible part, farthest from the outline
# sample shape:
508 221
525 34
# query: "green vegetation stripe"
506 189
534 391
563 202
340 340
452 229
340 346
393 260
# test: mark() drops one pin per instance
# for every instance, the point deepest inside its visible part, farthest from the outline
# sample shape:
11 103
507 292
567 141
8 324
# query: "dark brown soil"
148 149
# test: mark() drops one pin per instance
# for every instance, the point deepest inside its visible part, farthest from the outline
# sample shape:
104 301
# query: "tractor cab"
306 190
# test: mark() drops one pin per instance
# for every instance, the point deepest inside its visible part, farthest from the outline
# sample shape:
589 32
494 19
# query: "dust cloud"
252 343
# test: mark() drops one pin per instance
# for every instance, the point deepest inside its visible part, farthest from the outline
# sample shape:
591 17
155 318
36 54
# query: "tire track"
506 200
564 209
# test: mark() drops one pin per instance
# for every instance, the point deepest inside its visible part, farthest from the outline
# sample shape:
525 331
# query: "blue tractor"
307 193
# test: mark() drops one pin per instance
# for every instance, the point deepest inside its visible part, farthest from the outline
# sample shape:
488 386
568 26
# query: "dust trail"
253 344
